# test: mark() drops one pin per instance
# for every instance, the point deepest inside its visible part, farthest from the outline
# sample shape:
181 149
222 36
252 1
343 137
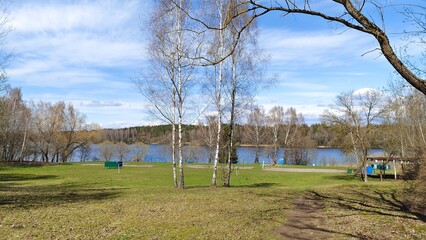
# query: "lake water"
246 155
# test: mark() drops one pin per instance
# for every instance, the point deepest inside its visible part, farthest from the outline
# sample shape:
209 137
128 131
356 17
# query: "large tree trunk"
175 183
180 94
256 156
227 182
365 152
385 46
181 176
219 129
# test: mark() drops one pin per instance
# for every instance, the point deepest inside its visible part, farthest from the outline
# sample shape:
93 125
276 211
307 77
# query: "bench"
114 165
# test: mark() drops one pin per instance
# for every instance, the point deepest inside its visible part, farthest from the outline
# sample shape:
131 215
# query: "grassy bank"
77 201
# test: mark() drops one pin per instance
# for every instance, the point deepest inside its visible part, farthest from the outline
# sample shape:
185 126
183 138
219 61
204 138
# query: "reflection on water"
246 155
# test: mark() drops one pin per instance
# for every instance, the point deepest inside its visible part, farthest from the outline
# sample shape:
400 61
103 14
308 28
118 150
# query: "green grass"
75 201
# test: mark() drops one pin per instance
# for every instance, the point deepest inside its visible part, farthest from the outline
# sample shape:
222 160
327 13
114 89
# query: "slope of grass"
77 201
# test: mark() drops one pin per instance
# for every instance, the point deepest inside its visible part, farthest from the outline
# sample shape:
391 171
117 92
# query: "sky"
88 52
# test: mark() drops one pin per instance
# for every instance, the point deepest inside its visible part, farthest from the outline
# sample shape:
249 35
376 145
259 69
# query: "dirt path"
305 221
306 170
209 166
125 165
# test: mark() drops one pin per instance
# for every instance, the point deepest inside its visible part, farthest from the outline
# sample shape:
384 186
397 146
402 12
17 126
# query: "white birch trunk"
219 96
219 127
175 183
179 95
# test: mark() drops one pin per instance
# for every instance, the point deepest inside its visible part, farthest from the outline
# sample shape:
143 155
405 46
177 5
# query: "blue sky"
87 52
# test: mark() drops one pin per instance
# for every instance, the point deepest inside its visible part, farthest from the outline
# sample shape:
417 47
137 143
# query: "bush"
416 186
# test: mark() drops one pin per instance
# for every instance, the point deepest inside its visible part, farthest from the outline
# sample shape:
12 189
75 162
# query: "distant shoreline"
270 146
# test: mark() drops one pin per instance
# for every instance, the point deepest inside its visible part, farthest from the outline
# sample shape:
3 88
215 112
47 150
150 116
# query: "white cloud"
96 103
323 48
303 85
44 16
77 36
85 52
82 52
363 91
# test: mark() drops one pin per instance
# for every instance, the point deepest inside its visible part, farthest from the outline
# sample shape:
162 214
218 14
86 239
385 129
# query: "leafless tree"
171 71
276 120
107 151
218 81
353 14
357 114
192 154
57 130
84 151
290 129
73 134
122 150
5 54
245 75
208 133
46 124
416 38
140 150
405 136
256 126
15 117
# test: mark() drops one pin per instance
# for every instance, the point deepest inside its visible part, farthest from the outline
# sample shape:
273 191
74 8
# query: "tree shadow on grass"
24 177
375 202
257 185
16 193
254 185
30 164
386 176
316 213
305 221
343 177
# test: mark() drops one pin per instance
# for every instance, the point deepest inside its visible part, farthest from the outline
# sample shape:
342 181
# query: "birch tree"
218 82
167 85
276 120
365 16
245 76
290 129
257 128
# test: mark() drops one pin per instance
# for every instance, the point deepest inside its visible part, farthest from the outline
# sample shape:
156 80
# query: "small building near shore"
395 160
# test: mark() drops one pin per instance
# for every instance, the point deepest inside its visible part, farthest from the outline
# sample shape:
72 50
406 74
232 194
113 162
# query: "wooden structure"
113 164
394 160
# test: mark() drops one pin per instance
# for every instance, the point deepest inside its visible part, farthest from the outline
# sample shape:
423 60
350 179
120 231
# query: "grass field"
76 201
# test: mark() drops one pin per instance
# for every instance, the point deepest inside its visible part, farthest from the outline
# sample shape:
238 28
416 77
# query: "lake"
246 155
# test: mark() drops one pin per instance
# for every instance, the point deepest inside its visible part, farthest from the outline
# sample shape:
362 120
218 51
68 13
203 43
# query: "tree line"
41 131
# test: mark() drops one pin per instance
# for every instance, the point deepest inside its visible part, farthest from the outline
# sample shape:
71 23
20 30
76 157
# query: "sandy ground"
125 165
304 170
210 166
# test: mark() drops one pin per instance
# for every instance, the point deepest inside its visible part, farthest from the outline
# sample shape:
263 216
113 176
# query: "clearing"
73 201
